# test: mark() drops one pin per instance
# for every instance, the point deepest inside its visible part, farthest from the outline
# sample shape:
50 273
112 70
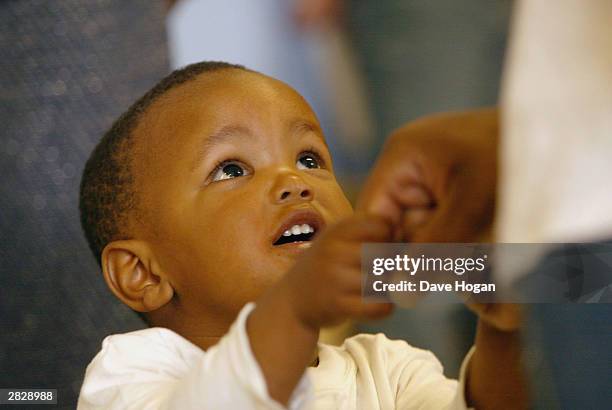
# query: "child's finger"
348 280
412 220
365 228
348 255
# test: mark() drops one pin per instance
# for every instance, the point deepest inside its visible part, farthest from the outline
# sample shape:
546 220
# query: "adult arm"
436 182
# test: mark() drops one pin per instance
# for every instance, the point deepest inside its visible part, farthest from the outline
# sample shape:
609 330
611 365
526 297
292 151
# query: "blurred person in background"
555 164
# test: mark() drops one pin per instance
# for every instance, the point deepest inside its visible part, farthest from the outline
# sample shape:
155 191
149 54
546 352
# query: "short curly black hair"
107 194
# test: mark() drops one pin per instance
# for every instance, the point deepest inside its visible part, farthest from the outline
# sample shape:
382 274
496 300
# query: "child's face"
234 160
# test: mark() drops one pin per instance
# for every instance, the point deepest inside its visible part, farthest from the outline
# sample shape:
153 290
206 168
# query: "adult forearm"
495 376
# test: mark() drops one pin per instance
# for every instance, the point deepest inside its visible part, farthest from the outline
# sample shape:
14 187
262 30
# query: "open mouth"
297 233
298 227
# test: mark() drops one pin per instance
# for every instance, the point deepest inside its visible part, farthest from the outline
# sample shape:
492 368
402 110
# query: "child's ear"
132 275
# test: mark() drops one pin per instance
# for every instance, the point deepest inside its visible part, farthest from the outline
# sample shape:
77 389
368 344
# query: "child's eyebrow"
217 138
302 126
222 135
297 128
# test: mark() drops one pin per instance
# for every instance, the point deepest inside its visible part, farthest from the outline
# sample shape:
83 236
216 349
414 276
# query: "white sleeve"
459 401
158 369
422 384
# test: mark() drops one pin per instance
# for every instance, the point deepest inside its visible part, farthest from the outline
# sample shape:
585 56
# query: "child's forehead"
234 87
230 99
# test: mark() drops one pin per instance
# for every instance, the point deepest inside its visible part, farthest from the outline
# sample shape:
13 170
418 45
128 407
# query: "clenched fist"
325 283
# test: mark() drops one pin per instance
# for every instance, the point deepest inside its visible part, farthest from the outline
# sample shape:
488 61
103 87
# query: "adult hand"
435 179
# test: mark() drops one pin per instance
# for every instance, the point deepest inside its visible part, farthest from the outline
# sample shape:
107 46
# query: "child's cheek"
339 206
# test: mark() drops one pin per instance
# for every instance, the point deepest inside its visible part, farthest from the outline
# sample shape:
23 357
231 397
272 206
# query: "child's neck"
203 342
203 332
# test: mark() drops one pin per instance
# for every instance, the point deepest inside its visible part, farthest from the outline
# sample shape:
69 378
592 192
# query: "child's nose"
291 188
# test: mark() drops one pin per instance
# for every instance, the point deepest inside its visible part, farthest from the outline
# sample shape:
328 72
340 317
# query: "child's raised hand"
323 288
325 283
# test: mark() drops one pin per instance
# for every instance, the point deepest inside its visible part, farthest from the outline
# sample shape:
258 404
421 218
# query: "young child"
201 204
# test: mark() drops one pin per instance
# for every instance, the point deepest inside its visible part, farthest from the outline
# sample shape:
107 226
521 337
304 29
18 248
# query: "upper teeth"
298 229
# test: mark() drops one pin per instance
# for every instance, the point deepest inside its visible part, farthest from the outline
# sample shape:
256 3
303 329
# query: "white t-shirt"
158 369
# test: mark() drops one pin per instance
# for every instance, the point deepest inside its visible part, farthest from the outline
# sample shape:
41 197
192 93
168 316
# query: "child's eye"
308 160
228 170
